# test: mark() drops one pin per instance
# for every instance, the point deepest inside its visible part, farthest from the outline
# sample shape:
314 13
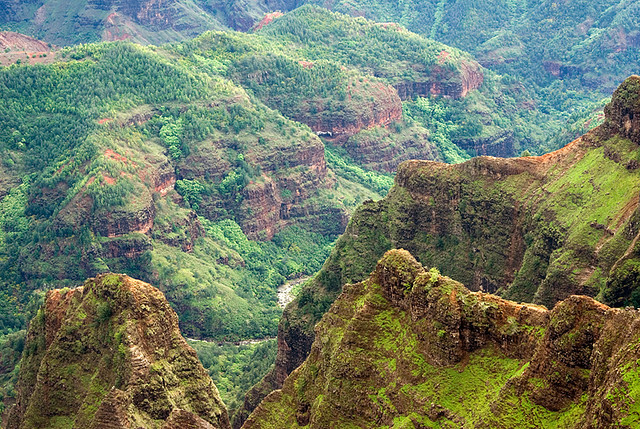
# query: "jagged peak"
622 114
396 271
574 363
113 353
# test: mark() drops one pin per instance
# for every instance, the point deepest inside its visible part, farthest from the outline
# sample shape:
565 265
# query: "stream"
284 292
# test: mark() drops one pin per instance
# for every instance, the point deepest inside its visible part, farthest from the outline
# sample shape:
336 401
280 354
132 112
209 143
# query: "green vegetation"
11 348
167 162
436 116
235 368
91 146
316 66
344 167
559 51
501 104
380 360
74 183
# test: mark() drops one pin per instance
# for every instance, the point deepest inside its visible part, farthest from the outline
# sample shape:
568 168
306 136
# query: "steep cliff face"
384 148
110 354
334 102
370 103
512 225
156 13
501 144
443 81
534 229
410 348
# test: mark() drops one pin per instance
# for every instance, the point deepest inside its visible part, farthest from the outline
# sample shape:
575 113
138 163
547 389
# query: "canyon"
517 227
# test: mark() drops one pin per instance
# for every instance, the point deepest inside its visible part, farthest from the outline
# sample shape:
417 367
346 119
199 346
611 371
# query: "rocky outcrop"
116 223
384 148
262 204
408 345
534 229
452 82
268 18
291 175
622 115
110 354
379 105
500 144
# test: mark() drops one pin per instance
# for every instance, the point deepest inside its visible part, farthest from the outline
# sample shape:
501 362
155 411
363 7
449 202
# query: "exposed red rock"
385 109
268 18
16 47
444 81
22 43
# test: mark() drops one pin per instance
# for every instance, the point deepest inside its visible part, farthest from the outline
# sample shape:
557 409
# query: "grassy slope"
386 363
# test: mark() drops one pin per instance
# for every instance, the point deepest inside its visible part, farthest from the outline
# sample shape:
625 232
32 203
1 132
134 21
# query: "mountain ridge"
515 226
410 348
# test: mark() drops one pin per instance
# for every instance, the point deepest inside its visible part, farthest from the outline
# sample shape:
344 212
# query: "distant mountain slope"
584 43
16 48
495 114
81 21
534 229
124 160
409 348
509 114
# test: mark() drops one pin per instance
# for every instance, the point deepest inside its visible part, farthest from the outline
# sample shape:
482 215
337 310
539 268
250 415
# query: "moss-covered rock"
409 348
110 354
533 229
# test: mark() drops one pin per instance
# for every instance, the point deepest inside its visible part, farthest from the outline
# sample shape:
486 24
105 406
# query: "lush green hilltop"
409 348
534 229
552 50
